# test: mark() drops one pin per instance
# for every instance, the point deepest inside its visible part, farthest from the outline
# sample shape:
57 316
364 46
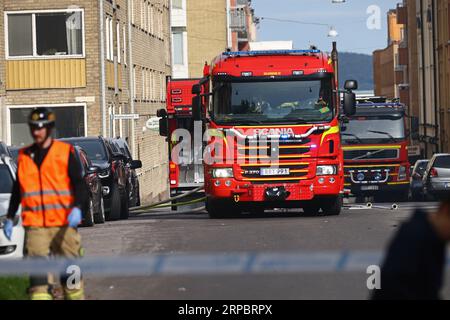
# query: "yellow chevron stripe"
397 183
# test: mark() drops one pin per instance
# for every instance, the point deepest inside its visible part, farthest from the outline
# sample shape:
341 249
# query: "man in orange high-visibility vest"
49 188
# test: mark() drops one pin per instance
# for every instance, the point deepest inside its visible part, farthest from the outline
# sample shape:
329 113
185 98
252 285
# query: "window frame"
50 105
35 56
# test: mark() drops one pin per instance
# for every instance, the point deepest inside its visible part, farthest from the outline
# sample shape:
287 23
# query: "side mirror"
136 164
196 89
351 85
163 127
197 108
161 113
349 103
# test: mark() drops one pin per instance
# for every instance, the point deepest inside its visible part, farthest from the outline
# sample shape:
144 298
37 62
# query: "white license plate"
275 172
370 188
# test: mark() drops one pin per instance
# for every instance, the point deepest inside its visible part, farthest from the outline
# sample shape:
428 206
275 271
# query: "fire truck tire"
221 208
332 206
311 208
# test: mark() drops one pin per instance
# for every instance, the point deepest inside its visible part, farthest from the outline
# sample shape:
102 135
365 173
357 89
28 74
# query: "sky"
350 19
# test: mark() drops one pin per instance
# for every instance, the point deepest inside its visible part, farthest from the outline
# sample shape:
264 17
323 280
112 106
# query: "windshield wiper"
353 135
241 122
384 133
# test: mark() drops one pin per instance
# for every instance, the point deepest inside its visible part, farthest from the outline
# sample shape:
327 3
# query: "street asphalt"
166 232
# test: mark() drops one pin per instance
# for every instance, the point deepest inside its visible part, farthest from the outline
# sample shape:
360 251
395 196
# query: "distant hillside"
356 66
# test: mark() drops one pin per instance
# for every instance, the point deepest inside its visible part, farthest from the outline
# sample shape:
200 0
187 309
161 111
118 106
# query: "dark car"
416 184
93 209
111 170
121 146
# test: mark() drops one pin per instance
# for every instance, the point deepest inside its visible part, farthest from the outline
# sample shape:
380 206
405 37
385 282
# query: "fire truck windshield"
274 101
373 129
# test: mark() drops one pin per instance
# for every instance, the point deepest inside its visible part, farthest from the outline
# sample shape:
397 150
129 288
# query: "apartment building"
388 74
425 54
94 63
202 29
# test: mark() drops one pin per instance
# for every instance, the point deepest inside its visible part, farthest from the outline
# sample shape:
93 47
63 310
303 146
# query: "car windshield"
373 128
6 179
442 162
293 101
421 167
93 148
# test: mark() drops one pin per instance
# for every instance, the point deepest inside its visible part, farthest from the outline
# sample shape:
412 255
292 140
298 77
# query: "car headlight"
3 219
326 170
104 174
222 173
402 173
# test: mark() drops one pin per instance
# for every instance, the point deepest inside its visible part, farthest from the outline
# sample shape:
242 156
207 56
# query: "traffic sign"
153 123
126 116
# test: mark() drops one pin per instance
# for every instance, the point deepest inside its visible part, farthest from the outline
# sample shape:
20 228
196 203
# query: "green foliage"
14 288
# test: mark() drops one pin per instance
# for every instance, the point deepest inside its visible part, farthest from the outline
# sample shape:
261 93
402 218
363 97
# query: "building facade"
90 61
388 74
202 29
425 55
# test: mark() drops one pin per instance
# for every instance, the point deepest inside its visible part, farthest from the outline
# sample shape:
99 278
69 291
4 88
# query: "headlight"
222 173
402 173
104 174
3 219
326 170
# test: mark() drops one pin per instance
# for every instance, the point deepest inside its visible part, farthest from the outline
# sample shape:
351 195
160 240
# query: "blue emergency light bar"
270 52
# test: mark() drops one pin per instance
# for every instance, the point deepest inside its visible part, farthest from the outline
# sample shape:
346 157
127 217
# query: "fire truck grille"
370 174
288 173
371 154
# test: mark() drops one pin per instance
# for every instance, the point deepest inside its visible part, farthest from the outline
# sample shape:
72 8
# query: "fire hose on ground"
166 204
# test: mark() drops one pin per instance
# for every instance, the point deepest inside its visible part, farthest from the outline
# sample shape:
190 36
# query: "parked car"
121 146
93 209
111 170
14 152
9 249
436 179
4 149
416 184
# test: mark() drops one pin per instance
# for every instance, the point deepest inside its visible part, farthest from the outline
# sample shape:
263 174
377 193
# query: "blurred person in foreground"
414 266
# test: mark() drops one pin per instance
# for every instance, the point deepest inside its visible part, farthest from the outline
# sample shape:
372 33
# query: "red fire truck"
375 148
184 176
271 119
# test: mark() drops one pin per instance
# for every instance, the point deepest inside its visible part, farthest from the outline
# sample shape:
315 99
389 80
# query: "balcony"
238 19
402 14
403 57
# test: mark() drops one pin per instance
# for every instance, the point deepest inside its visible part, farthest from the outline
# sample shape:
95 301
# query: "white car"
9 249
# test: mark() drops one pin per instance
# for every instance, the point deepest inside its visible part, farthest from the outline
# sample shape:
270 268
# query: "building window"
124 37
177 4
119 52
178 48
29 34
70 122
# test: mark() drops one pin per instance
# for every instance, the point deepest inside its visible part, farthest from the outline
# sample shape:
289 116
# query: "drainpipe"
131 82
424 91
102 66
435 71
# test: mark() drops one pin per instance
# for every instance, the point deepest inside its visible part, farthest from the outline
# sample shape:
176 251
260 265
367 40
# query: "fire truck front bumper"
262 192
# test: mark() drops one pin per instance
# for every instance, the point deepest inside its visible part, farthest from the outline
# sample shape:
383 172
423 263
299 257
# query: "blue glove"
74 218
8 229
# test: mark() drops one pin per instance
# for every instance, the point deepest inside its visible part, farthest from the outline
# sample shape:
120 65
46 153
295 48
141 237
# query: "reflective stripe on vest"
46 192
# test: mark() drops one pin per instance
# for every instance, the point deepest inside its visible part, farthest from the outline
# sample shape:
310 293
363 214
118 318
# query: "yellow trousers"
59 242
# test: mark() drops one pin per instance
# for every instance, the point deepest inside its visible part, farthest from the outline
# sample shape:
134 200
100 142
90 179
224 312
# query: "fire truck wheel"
332 206
221 208
311 208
